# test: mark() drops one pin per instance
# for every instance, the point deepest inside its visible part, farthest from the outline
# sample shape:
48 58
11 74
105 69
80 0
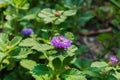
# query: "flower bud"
27 31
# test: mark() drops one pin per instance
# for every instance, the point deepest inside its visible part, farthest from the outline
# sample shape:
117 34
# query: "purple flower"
113 59
61 42
27 31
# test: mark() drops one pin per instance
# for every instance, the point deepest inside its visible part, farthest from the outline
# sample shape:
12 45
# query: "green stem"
2 21
16 20
54 76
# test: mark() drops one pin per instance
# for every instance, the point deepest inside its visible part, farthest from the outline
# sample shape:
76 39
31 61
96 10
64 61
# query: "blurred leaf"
73 74
3 41
60 19
99 64
15 41
29 42
28 64
73 3
84 18
19 3
29 17
47 15
91 73
117 75
116 3
2 3
25 7
56 17
69 35
118 53
67 60
70 13
71 51
55 63
20 53
42 47
2 55
82 63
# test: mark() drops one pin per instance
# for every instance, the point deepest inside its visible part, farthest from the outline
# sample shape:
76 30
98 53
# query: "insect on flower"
61 42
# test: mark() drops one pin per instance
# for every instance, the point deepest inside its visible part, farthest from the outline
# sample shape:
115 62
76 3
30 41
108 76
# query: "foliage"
34 57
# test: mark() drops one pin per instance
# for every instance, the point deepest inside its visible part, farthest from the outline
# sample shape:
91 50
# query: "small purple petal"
27 31
61 42
114 59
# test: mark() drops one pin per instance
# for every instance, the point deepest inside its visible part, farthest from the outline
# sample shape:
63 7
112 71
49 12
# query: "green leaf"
91 73
99 64
60 19
25 6
40 70
15 41
42 47
70 13
3 41
116 3
29 17
73 3
28 64
19 3
84 18
117 75
55 63
69 35
29 42
47 15
71 51
73 74
20 53
2 55
68 60
82 63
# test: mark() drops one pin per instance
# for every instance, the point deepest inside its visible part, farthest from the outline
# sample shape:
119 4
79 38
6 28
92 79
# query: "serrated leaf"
15 41
21 53
42 47
29 42
47 15
71 51
73 74
60 19
28 64
39 70
99 64
70 13
29 17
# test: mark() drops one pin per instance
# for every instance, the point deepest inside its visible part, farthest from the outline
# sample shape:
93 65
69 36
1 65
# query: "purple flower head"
113 59
27 31
61 42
